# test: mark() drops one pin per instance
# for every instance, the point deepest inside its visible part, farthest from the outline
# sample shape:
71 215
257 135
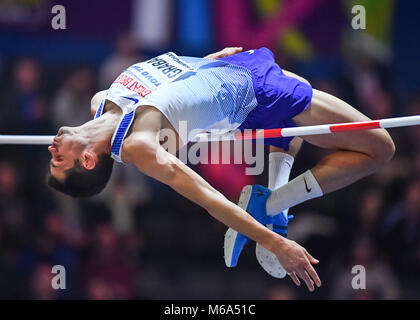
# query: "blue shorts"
279 97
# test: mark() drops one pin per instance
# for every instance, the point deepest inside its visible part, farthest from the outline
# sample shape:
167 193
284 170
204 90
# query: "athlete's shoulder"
96 101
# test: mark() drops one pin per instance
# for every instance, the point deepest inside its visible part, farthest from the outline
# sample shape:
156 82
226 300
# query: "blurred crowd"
139 239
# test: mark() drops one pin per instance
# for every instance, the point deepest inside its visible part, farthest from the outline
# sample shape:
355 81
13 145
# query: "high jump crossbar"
311 130
255 134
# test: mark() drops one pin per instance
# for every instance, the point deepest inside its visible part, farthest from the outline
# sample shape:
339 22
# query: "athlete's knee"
295 146
382 147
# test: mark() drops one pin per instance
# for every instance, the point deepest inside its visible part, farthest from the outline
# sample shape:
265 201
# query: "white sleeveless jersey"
198 93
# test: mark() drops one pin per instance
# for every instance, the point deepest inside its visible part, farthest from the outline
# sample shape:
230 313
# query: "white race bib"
160 70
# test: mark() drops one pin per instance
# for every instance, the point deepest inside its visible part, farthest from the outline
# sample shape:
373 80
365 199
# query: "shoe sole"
231 243
269 262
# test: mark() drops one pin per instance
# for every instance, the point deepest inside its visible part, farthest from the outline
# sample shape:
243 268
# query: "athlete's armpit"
96 101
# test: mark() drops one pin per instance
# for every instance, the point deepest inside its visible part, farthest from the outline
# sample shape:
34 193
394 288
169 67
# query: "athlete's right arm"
143 150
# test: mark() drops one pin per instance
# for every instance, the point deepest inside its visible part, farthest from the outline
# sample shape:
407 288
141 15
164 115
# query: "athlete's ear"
89 160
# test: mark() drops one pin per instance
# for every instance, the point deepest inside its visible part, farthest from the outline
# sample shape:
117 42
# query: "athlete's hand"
298 263
226 52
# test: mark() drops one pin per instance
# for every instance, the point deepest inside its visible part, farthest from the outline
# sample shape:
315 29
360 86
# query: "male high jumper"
229 89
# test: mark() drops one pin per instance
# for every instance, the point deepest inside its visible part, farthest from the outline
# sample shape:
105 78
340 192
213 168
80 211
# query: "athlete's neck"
97 133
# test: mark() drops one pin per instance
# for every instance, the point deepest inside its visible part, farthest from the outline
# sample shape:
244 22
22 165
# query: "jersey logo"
306 186
132 99
251 51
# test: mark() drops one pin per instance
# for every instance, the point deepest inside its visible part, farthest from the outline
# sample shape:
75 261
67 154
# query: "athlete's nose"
53 148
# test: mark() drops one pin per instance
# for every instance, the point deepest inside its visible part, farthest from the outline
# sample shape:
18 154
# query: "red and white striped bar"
256 134
311 130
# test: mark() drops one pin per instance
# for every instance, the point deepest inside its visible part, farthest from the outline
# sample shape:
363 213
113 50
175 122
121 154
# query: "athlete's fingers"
310 269
308 281
313 274
295 278
230 51
311 259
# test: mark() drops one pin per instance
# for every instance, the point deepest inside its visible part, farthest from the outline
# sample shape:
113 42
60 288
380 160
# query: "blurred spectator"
327 85
71 105
106 272
381 283
99 289
402 227
368 79
125 55
127 189
24 106
380 105
8 181
368 215
41 283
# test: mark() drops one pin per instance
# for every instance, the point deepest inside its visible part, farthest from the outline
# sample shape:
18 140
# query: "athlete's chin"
65 132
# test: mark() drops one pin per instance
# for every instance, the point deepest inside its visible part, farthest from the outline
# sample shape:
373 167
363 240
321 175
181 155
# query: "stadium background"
139 239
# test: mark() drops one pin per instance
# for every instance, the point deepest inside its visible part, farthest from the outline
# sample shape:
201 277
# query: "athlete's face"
64 151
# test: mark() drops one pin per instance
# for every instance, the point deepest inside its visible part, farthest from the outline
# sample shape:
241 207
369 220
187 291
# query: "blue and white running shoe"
253 200
268 260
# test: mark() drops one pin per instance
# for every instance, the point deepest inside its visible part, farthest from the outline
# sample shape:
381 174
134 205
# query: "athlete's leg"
294 148
280 163
355 154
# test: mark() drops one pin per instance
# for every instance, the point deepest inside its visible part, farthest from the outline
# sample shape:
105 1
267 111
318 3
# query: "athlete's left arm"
226 52
144 151
149 157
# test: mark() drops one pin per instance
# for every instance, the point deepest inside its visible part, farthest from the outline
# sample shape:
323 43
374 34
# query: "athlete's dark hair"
80 182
